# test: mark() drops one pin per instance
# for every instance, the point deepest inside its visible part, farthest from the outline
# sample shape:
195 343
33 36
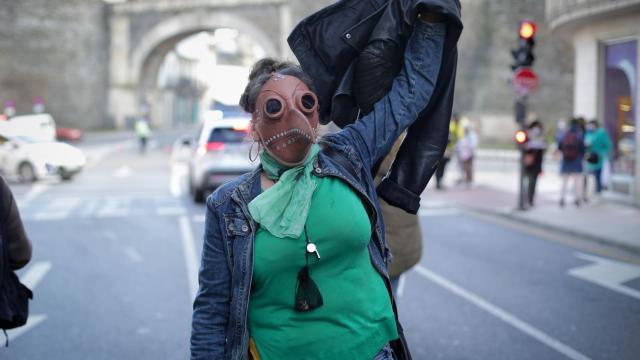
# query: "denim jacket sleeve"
373 134
211 306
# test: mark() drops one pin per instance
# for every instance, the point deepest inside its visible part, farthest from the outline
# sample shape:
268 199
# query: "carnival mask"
286 119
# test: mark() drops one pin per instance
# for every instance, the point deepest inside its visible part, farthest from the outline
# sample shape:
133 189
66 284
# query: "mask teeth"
284 133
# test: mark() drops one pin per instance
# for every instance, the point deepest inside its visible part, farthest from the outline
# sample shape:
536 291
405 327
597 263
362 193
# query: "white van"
37 127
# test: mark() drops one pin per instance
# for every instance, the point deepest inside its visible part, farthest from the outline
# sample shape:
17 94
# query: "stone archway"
134 67
173 30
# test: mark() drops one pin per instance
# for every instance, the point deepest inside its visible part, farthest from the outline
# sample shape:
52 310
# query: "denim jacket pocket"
236 225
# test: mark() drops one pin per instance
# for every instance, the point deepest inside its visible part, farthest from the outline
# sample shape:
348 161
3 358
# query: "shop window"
619 103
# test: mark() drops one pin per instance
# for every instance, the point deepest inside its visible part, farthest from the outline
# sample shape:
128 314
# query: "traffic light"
521 137
523 55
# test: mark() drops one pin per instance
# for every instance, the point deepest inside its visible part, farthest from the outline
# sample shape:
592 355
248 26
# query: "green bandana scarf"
284 207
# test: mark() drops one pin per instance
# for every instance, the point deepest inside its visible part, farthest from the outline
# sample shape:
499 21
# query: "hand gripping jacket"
353 49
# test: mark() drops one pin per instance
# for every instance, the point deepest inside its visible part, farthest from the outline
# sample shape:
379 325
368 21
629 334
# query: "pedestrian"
143 132
449 151
15 253
465 151
535 148
572 148
293 261
402 229
598 146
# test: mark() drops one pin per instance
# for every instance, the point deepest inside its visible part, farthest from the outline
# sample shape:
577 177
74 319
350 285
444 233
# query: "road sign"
525 81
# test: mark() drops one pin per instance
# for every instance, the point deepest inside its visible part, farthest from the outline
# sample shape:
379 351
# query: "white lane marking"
111 235
31 278
401 283
95 154
133 254
503 315
89 207
122 172
433 204
44 216
178 173
438 212
607 273
114 207
170 211
33 193
190 256
199 218
32 321
57 209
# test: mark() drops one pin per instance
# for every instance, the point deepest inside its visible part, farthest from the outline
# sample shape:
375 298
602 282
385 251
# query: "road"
116 252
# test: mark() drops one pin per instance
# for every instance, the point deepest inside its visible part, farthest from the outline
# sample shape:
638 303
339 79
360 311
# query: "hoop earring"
254 158
316 135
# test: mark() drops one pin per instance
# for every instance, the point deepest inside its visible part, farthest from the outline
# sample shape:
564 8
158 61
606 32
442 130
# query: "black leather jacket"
352 50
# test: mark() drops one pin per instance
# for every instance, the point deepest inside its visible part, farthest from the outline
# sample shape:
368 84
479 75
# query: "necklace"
308 296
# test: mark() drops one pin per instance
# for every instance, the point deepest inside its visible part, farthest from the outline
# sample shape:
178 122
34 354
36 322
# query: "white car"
221 153
31 160
37 127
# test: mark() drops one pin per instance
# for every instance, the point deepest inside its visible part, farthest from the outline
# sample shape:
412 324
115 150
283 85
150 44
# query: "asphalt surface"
116 250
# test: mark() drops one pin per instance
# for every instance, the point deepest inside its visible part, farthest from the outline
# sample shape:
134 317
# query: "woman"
598 150
572 148
294 260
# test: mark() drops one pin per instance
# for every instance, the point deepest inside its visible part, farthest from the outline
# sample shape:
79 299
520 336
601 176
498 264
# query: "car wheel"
26 172
66 176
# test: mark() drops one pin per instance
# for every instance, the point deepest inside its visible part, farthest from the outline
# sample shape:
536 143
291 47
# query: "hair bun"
264 66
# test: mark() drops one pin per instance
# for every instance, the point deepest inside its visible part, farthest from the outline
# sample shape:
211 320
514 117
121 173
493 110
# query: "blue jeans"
598 175
385 354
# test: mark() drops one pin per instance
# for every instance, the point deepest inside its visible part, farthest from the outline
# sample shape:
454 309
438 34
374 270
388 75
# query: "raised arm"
412 88
211 306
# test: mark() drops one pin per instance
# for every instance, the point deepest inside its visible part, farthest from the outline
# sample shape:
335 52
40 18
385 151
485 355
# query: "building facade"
606 38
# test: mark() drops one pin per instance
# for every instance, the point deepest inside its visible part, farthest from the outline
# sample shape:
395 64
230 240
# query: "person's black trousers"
532 179
440 171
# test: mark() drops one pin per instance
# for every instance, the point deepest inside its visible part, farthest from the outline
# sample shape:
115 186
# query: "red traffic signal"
521 137
528 29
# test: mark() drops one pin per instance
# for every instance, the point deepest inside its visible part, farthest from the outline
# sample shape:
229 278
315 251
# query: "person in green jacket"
598 146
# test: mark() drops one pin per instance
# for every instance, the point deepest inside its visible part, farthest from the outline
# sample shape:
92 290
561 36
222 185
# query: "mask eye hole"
273 108
308 102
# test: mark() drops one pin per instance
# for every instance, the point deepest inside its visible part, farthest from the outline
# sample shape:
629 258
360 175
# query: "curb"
635 250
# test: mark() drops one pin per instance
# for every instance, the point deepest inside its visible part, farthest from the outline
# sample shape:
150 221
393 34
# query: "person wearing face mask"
294 261
535 147
598 146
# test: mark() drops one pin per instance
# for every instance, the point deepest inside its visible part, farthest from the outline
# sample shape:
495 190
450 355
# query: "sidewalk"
495 192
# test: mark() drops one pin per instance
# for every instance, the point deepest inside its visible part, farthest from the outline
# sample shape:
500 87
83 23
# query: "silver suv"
221 153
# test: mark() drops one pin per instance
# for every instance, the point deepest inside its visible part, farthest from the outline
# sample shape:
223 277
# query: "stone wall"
58 50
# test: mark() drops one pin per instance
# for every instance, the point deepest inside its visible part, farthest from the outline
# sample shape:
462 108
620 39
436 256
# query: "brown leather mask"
286 118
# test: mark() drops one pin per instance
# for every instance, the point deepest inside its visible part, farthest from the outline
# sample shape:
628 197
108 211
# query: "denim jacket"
219 324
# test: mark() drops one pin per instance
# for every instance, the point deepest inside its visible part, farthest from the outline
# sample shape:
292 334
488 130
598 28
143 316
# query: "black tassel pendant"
308 296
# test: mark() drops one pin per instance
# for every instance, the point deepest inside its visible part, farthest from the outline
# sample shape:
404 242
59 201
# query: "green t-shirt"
356 320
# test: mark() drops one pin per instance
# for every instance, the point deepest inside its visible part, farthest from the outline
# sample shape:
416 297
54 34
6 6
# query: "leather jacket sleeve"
411 91
421 151
353 65
18 244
